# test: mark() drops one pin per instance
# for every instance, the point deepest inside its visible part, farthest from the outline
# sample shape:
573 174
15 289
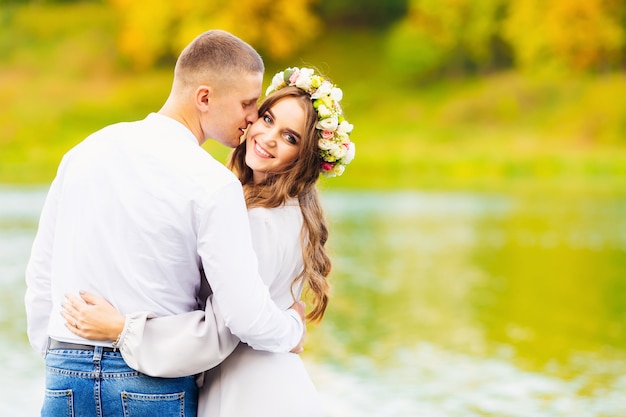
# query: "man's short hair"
216 56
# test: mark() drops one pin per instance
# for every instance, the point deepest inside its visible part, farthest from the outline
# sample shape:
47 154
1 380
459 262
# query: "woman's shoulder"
282 218
291 206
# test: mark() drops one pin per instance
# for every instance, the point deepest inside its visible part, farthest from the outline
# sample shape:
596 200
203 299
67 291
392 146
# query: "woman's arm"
92 317
172 346
190 343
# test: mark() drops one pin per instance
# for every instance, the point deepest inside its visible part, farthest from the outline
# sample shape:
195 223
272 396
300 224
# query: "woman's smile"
261 151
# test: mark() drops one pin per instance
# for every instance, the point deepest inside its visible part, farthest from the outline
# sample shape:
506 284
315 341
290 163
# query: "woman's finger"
69 309
74 330
70 319
90 298
75 301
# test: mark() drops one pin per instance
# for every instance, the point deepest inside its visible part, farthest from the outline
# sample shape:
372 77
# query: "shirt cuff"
300 332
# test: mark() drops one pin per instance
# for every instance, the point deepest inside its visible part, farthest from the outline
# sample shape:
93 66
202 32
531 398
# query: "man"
134 213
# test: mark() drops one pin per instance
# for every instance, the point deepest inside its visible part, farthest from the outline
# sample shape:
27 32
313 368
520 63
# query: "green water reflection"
539 281
455 305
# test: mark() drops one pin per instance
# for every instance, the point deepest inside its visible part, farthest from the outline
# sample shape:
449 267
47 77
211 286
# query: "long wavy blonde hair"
297 181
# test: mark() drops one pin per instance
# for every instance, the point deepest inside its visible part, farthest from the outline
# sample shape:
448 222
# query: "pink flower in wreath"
327 166
294 77
327 134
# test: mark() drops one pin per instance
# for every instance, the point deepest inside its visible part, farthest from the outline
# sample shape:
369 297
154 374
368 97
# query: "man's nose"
253 115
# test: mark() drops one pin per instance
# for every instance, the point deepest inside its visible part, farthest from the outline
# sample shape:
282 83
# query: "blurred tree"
43 2
369 13
576 34
448 36
155 29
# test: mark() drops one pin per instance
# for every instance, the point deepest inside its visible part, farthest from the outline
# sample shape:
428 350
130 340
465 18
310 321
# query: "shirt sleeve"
230 264
175 346
38 298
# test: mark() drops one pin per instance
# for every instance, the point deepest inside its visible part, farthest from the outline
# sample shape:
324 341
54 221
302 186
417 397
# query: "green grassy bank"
61 79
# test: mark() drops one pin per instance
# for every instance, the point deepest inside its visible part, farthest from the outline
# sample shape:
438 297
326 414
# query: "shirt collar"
169 123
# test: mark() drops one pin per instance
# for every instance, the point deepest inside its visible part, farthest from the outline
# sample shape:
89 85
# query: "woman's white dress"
257 383
247 382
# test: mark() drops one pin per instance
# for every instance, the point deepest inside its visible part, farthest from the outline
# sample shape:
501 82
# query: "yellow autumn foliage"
438 34
576 34
153 29
465 35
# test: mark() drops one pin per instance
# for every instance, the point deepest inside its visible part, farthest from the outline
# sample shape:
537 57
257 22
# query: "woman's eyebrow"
296 134
291 131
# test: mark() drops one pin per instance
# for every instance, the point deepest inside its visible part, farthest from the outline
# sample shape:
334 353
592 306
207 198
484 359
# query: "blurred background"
478 238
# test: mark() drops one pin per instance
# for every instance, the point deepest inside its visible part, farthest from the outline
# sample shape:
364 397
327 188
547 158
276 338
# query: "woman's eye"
267 119
291 139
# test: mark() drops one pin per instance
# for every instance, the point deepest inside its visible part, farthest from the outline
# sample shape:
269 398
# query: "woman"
300 134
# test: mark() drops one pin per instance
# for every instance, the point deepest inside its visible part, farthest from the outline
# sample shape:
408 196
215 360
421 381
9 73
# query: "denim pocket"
151 405
58 403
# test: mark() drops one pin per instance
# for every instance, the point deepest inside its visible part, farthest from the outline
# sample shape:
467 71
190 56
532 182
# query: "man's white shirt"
134 211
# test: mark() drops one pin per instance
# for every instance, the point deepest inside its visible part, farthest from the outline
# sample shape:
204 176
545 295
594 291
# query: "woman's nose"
270 140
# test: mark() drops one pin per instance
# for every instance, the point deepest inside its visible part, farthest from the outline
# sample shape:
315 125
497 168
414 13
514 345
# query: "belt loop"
47 348
97 354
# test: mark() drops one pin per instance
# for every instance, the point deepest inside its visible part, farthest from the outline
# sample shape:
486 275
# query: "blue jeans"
94 383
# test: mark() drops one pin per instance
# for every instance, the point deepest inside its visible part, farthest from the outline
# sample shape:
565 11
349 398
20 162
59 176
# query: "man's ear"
204 94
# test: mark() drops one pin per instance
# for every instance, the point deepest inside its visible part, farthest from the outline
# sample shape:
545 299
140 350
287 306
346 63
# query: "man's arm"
230 264
168 347
38 298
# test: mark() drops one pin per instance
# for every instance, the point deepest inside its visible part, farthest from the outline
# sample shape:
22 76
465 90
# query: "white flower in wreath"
323 90
350 152
325 144
342 138
336 94
329 123
339 151
303 78
278 81
344 127
324 111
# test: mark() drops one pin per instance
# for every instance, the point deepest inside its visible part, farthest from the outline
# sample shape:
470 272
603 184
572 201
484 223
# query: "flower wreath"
335 148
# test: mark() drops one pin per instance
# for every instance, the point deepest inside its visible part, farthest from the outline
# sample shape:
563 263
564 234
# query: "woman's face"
274 140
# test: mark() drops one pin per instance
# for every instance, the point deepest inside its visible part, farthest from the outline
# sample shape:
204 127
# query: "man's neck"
174 113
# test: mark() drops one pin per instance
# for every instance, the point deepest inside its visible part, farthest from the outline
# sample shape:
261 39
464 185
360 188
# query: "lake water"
444 305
